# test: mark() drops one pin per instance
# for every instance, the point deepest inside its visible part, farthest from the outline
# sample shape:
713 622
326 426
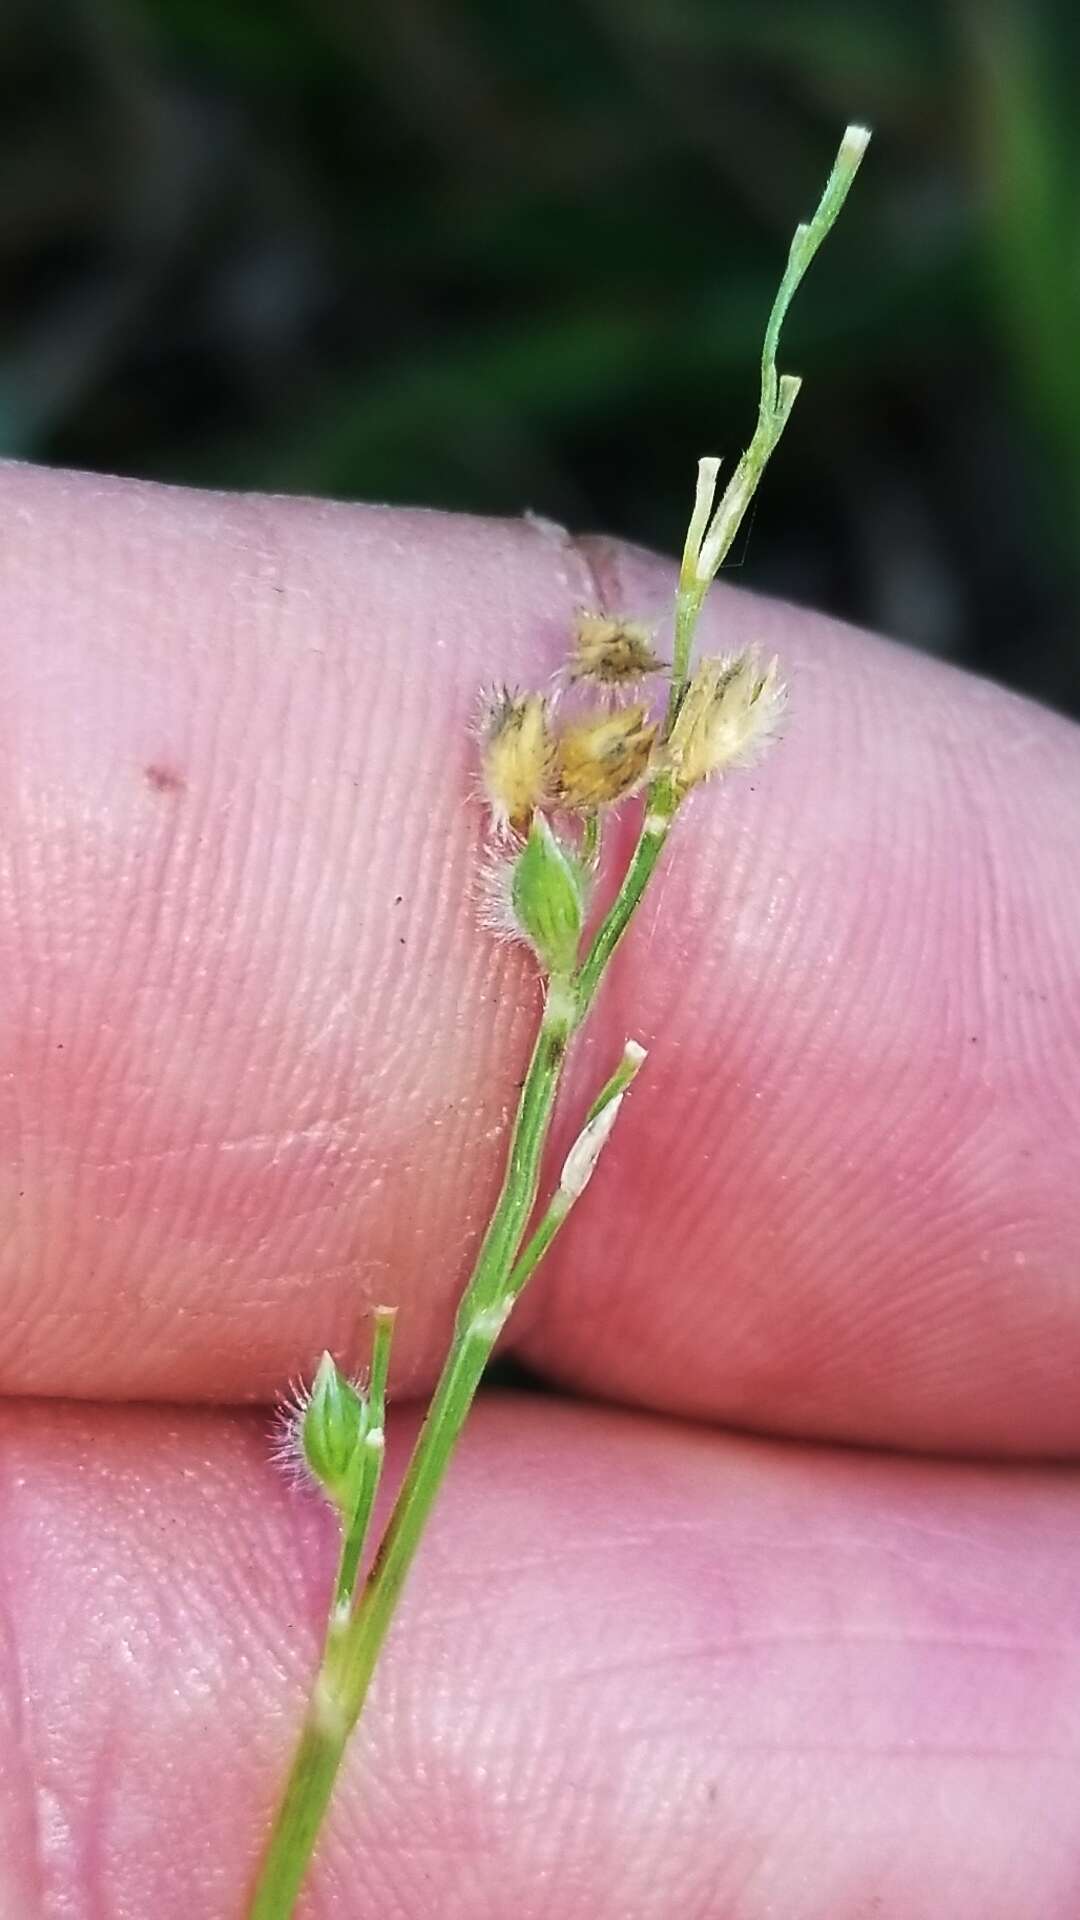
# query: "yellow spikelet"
603 757
728 716
615 653
517 757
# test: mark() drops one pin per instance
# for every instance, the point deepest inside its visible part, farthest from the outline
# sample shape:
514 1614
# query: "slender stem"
690 591
468 1357
689 595
353 1643
353 1647
778 391
577 1168
591 840
480 1319
371 1460
517 1196
805 243
344 1680
745 480
633 1059
300 1816
660 808
708 542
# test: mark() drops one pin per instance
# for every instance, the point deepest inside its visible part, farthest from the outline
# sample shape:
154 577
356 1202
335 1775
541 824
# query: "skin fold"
256 1064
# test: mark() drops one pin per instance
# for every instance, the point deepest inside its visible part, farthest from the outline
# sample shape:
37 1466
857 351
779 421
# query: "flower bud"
547 894
332 1428
727 718
603 758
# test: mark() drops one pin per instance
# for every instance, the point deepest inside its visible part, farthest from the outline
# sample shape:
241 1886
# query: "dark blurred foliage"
493 255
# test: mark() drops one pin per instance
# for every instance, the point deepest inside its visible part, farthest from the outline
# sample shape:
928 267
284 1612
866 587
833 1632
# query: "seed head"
517 754
615 653
602 758
727 718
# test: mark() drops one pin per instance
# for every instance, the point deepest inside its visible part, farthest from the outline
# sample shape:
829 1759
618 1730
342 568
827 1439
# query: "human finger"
641 1670
259 1060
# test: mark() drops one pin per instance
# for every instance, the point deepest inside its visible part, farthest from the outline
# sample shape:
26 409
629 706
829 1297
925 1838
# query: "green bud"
332 1430
548 896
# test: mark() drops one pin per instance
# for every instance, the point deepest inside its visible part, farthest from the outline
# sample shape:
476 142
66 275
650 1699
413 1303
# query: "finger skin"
642 1670
257 1061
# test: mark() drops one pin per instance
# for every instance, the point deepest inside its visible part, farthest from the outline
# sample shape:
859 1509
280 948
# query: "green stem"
708 542
660 807
689 595
690 591
477 1331
300 1816
352 1644
355 1534
517 1196
807 238
577 1169
633 1059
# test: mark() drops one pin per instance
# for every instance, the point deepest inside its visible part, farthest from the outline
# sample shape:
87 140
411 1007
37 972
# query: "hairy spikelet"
612 653
517 755
602 758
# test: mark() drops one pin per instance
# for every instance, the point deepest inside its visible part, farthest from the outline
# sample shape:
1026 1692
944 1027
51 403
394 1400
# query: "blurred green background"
493 256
